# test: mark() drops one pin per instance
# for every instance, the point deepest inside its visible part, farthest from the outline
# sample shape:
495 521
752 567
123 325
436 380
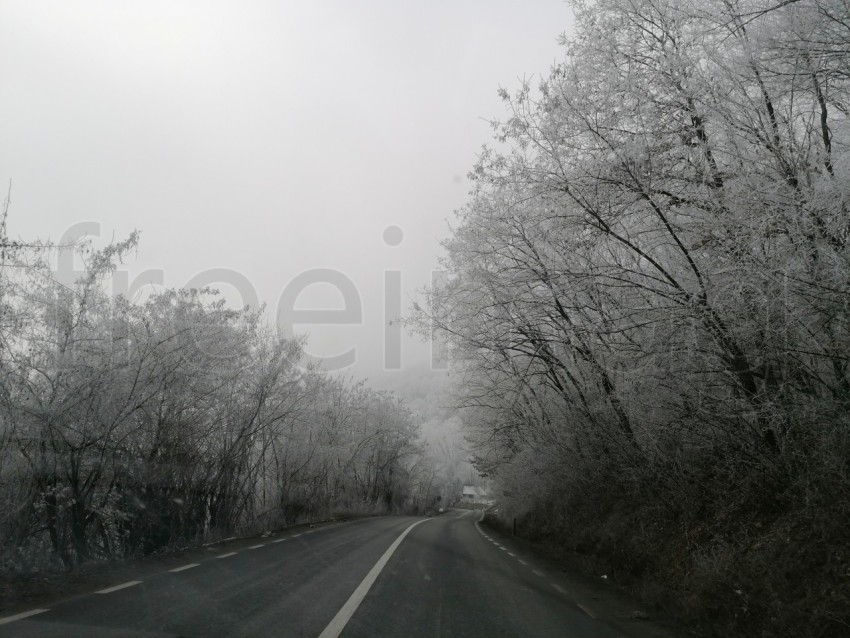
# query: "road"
388 576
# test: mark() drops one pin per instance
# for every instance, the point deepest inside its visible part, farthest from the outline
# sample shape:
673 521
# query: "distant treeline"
649 291
127 428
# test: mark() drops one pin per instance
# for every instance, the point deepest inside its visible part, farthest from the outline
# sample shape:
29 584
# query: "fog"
254 143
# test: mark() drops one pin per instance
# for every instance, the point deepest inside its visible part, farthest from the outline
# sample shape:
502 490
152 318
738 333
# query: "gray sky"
265 138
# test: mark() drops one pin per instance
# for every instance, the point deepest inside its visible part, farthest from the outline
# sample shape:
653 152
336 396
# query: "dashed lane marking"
109 590
278 540
183 568
557 587
21 616
227 555
257 546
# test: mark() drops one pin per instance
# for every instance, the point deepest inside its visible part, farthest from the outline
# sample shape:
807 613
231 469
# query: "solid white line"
227 555
109 590
586 610
184 568
257 546
537 572
22 615
342 617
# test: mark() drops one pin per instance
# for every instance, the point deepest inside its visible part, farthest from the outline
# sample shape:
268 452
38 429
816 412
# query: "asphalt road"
389 576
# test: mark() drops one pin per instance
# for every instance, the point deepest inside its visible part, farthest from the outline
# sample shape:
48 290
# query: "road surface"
388 576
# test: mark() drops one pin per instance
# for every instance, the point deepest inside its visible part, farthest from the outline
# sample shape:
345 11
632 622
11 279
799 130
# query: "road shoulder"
23 593
597 595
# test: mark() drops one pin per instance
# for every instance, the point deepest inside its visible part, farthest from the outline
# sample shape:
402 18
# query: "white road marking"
278 540
184 568
21 616
109 590
558 588
519 560
296 536
586 610
335 627
257 546
227 555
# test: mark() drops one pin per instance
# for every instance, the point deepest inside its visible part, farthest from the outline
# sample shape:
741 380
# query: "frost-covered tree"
650 278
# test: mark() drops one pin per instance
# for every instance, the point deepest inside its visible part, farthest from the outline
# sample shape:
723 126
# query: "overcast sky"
269 139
